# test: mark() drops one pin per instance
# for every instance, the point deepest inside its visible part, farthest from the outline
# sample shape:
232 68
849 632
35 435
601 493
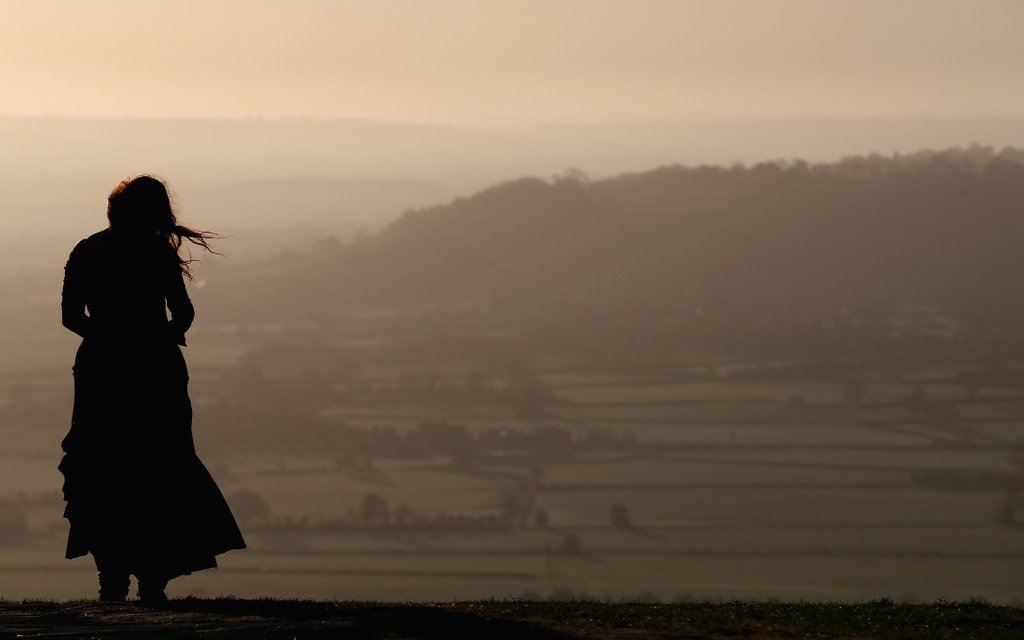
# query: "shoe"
152 590
113 586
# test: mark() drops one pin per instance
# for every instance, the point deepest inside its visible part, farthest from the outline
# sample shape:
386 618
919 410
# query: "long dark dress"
138 497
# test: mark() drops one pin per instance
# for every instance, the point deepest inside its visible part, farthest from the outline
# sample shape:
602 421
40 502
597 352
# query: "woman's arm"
182 311
72 303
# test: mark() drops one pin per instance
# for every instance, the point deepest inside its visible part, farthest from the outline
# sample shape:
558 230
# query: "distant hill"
57 171
777 240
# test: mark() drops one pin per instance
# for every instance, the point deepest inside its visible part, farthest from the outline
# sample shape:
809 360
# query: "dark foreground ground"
496 620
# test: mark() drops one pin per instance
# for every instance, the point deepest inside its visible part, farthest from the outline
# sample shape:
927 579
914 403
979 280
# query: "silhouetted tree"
451 440
618 516
570 544
249 506
916 401
14 527
374 510
540 518
404 515
571 175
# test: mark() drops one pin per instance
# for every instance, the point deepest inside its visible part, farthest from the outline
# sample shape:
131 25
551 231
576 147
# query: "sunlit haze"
537 299
528 61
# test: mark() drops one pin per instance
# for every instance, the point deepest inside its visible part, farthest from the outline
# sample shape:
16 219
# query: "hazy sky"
512 61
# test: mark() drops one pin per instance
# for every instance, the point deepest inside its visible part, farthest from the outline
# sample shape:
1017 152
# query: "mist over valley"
440 379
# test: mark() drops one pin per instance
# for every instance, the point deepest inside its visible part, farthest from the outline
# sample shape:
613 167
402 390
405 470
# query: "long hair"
140 206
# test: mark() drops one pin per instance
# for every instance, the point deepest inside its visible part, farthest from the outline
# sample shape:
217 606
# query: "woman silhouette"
138 498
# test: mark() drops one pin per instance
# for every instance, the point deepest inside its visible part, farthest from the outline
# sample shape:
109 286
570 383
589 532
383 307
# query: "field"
501 619
700 483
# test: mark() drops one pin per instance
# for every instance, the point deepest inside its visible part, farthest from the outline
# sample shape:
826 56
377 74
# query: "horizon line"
509 124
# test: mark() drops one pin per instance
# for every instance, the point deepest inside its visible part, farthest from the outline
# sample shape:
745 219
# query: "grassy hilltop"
497 619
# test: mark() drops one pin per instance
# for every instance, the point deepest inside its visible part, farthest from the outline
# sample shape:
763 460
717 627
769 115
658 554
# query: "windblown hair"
141 206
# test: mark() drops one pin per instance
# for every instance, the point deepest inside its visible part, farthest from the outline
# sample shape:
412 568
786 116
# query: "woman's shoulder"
87 246
96 240
106 247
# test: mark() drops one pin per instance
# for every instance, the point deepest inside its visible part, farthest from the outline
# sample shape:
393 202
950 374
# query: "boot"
151 590
113 586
